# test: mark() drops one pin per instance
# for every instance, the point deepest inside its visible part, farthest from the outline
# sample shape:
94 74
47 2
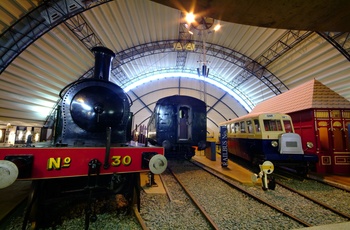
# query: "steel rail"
139 218
166 188
314 200
226 180
194 200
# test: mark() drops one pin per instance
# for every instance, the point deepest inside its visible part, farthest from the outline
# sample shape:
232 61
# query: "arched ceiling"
45 45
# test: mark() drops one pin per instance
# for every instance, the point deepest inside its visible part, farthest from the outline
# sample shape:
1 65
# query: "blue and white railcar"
263 137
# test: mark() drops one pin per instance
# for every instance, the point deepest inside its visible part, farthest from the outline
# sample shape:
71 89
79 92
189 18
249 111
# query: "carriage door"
338 134
340 142
346 118
323 147
184 123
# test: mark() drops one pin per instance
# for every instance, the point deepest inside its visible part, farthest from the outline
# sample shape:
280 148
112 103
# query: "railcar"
90 155
263 137
178 124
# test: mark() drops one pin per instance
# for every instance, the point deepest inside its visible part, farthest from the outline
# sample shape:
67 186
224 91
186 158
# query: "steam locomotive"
178 124
90 153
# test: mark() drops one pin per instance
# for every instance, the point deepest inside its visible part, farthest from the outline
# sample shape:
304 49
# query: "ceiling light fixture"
203 26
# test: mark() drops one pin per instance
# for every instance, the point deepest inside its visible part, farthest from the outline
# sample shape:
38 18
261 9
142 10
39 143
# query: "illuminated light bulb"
190 18
217 27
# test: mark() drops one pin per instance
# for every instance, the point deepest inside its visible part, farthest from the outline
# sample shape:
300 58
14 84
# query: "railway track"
254 196
223 206
270 199
320 193
196 202
106 218
139 218
228 204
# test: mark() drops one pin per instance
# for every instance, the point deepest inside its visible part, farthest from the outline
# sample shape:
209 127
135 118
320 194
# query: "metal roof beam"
37 22
286 42
226 54
82 30
141 101
340 40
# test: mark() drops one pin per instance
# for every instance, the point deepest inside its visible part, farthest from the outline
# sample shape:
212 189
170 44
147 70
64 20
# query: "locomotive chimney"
103 62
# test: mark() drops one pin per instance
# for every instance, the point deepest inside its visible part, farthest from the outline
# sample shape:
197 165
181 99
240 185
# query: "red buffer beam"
44 163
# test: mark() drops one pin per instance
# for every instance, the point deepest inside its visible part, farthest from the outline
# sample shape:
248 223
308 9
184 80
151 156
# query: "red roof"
310 95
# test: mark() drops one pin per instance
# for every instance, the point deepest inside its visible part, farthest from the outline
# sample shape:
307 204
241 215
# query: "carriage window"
243 127
279 126
183 112
237 127
273 125
250 126
232 128
288 126
257 125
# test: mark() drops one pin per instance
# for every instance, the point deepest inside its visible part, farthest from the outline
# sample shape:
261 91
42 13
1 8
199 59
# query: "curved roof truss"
250 67
212 107
49 14
42 18
37 22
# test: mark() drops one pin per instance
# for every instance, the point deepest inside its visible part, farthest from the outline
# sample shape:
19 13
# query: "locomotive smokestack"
103 62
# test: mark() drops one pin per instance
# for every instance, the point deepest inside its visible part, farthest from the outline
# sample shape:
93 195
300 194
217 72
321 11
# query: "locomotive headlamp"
274 143
309 144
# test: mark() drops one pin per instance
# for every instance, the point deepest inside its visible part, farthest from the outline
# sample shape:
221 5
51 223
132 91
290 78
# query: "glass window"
287 126
232 126
183 112
321 114
346 114
279 126
250 126
243 127
237 127
273 125
257 125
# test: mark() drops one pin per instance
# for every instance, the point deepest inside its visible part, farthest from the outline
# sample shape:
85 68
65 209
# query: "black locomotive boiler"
93 108
179 124
89 158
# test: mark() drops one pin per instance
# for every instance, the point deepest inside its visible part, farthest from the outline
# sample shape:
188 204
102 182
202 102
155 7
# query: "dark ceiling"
312 15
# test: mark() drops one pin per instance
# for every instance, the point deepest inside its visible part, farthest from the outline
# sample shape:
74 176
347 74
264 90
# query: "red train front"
90 153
